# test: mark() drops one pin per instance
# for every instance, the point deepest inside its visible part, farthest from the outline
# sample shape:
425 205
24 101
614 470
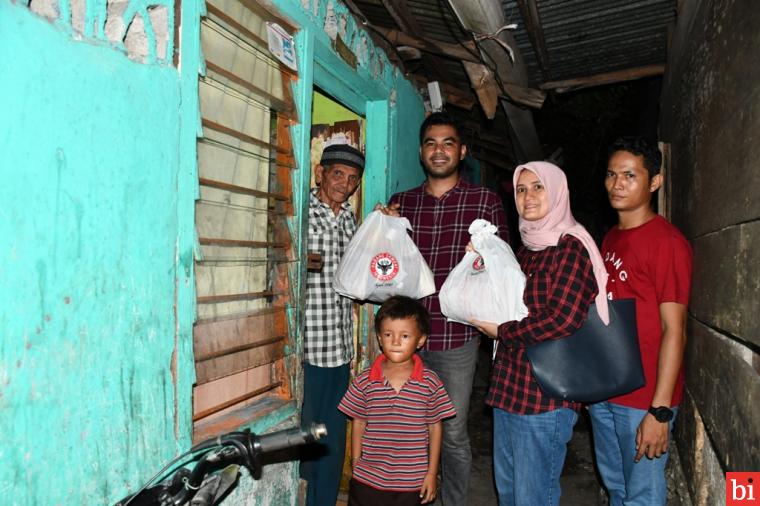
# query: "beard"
440 171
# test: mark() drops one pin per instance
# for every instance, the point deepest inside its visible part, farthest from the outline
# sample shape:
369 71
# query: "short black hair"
439 118
400 307
639 146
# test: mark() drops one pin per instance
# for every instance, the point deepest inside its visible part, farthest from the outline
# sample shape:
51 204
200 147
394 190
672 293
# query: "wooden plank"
268 12
232 421
243 190
238 349
287 92
275 103
617 76
529 13
726 390
228 346
217 241
215 299
212 335
453 94
237 400
239 135
524 95
484 83
245 32
445 49
726 280
233 363
282 179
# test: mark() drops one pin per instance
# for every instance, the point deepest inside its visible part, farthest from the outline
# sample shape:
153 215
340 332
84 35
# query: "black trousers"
360 494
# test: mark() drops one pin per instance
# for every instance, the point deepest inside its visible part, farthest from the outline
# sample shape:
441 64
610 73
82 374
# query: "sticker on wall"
281 45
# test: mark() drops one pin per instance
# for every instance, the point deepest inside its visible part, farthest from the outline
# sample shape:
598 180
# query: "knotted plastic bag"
381 260
487 284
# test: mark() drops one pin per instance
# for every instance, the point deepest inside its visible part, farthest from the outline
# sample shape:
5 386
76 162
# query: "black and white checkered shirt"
328 338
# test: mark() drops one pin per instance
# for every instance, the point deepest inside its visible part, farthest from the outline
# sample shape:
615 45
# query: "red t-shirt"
652 264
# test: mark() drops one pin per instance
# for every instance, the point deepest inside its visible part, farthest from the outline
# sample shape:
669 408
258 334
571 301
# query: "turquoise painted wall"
97 301
95 264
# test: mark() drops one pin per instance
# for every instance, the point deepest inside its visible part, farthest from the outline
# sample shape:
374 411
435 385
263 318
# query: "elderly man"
328 336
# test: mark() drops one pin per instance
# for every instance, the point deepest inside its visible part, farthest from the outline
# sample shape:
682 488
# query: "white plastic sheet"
381 261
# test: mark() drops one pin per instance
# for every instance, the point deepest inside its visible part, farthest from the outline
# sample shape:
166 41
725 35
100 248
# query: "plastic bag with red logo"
487 284
381 261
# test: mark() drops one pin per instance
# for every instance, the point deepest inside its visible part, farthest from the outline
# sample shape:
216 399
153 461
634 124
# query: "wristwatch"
662 414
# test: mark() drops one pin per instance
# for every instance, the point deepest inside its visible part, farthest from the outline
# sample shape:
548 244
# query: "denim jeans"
456 368
528 455
627 482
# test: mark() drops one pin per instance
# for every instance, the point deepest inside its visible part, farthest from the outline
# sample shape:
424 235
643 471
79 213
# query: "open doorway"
334 123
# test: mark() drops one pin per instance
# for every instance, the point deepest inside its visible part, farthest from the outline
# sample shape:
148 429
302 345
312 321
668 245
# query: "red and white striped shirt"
395 443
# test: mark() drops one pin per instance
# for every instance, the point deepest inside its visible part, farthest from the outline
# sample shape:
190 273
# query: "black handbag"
595 363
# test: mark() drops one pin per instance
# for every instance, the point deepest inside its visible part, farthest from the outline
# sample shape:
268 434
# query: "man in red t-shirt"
648 260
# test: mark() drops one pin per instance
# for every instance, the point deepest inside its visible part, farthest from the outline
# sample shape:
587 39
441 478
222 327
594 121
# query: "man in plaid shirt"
440 212
328 335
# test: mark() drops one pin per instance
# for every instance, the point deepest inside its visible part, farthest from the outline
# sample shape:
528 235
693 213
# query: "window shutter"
244 163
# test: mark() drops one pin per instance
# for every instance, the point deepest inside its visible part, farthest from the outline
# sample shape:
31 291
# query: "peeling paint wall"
95 264
711 117
100 176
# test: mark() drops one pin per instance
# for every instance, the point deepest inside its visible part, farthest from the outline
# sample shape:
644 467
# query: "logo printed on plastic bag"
478 264
384 266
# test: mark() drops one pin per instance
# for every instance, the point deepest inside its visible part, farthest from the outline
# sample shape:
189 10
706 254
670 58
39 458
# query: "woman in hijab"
564 276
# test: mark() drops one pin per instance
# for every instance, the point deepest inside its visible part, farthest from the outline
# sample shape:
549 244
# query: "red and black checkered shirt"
559 289
440 231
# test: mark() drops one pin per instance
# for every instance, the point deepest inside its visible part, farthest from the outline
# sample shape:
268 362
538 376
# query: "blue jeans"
456 368
628 483
528 455
322 463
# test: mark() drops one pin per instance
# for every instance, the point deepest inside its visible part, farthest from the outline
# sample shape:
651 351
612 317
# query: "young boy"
649 260
397 406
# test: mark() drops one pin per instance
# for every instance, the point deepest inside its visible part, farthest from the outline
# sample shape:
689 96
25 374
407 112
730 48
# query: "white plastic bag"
381 261
485 285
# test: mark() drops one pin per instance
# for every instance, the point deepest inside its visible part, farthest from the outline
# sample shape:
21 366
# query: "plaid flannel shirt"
440 231
328 335
560 287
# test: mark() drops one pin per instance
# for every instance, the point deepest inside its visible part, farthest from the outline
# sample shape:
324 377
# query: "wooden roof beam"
452 94
617 76
445 49
529 13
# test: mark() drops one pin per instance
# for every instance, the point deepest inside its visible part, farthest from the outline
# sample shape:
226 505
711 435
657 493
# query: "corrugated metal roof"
582 37
586 37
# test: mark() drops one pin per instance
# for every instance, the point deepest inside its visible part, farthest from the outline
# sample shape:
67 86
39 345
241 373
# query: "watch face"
663 414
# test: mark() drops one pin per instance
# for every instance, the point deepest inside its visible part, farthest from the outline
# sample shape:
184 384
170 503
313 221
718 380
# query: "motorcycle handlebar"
243 445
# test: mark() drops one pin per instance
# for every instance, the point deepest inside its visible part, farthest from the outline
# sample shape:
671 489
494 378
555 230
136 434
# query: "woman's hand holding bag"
487 284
